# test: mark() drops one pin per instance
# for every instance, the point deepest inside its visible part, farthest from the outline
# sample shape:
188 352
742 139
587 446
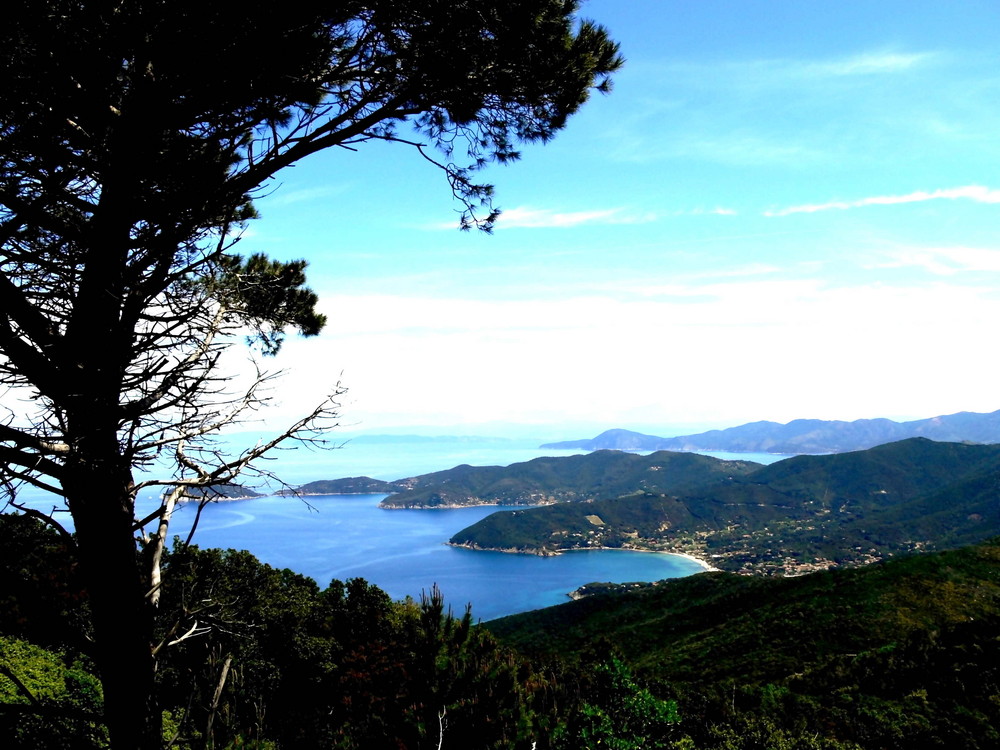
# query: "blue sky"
784 209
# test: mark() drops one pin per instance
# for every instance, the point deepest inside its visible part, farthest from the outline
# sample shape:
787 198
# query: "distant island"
222 492
348 486
802 435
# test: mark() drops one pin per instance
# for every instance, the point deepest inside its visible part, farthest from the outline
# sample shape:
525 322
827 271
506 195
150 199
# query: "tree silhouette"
134 136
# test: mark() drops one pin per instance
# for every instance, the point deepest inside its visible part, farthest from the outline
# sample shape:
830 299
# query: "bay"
404 551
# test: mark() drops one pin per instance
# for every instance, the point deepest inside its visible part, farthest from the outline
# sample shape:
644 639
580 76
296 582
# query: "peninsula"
795 516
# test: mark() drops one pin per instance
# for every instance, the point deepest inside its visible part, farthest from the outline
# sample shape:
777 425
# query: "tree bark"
122 619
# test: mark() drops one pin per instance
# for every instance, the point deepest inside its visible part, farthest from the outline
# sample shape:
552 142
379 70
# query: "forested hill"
347 486
800 514
803 435
223 492
902 654
566 479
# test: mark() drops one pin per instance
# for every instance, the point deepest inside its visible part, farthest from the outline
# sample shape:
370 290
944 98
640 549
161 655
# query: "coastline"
706 566
709 568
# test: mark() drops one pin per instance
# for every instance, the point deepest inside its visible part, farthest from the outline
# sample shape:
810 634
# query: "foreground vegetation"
899 654
260 657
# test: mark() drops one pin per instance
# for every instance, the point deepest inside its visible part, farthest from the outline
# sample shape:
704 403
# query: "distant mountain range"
803 435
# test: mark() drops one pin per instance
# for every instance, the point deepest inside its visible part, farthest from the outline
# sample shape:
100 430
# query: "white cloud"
731 351
525 217
304 195
976 193
946 261
717 211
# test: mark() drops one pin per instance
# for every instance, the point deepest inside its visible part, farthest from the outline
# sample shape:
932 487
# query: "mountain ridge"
798 515
802 435
549 480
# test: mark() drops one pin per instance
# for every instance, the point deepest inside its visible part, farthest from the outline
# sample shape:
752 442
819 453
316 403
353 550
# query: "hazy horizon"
556 433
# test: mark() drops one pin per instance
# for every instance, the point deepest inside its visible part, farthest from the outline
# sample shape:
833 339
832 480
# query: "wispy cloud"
946 261
524 217
782 71
869 64
976 193
534 218
702 211
306 194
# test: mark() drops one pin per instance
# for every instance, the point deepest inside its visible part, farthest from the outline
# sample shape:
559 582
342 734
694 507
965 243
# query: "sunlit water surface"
405 551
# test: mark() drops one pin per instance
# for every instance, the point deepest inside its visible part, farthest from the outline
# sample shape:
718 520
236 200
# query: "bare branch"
157 542
193 632
47 519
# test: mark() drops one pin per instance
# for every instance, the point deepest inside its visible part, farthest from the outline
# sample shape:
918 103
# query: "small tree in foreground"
134 135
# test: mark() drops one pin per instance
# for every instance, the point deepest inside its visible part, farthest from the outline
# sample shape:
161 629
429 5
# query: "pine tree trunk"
100 499
97 478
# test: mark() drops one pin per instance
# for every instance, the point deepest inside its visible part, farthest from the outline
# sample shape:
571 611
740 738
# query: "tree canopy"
134 137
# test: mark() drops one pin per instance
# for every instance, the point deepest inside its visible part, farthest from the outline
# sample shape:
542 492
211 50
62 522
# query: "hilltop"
802 435
222 492
800 514
548 480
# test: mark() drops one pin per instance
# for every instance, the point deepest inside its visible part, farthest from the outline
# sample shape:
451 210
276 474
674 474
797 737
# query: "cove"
404 551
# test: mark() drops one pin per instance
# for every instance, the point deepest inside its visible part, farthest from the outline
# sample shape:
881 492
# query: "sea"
405 552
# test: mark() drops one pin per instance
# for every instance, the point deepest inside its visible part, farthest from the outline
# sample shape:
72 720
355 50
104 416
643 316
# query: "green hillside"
880 476
346 486
898 654
797 515
544 480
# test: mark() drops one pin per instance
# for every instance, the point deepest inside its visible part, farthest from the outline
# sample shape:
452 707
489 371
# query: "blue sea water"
405 551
